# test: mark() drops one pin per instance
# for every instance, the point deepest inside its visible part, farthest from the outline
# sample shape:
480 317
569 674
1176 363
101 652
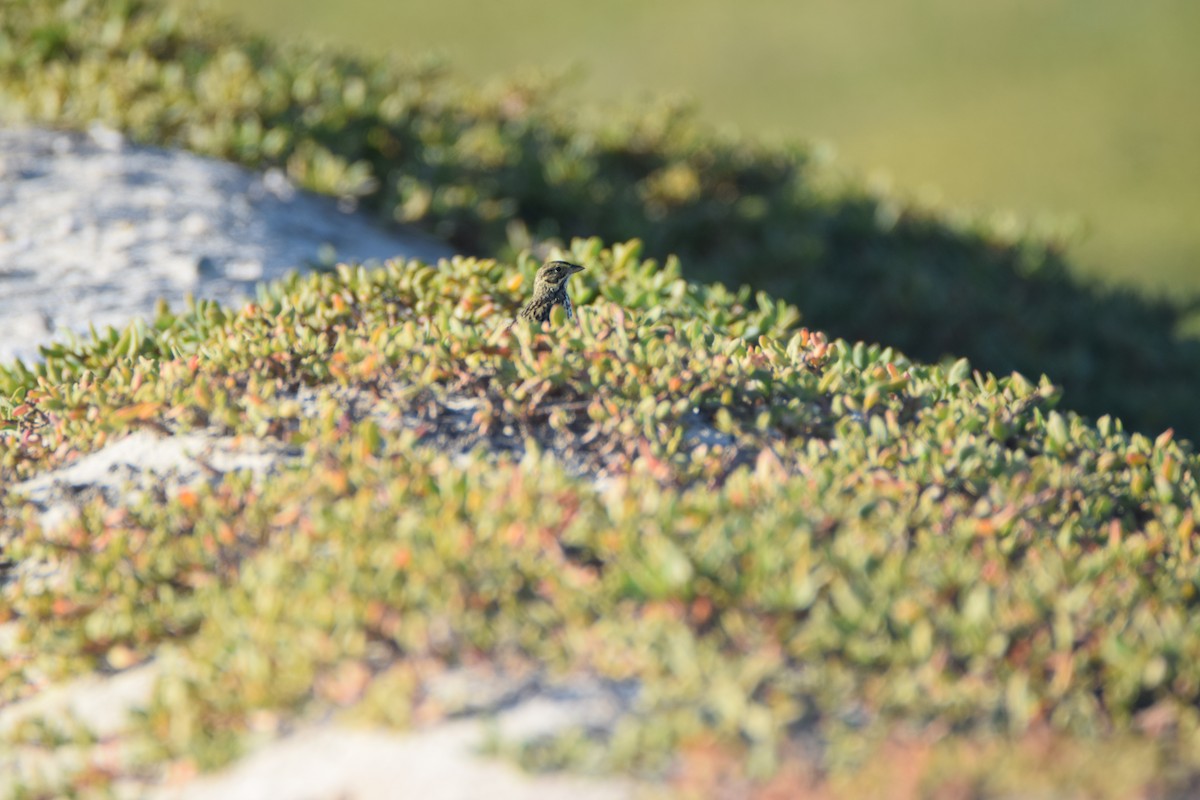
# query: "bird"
550 290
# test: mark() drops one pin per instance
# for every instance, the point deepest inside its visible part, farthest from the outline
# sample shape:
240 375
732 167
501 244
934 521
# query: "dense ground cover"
817 560
493 170
810 556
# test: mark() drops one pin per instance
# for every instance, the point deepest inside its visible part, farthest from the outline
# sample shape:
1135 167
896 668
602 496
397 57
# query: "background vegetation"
1083 110
492 170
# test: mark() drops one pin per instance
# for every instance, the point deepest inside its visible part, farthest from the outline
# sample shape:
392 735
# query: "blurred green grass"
1078 112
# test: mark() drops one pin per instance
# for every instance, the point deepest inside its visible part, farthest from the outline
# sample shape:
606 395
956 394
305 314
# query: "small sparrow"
550 290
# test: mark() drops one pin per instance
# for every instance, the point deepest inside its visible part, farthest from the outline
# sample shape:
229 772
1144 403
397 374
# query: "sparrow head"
554 274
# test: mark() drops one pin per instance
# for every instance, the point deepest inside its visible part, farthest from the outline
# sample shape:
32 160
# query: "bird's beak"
575 268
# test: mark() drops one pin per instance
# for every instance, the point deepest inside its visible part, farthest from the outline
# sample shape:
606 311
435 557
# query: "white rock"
95 229
434 765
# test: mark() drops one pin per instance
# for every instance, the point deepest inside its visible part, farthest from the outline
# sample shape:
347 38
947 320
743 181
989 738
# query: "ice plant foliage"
773 534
